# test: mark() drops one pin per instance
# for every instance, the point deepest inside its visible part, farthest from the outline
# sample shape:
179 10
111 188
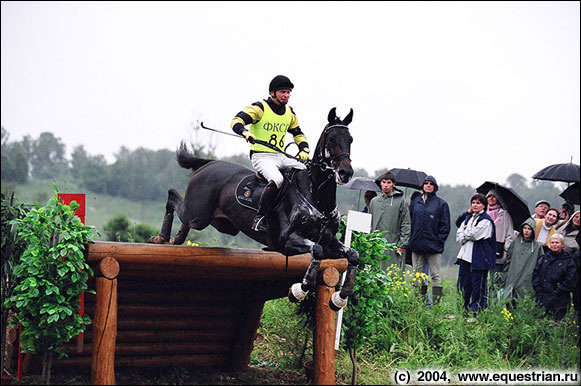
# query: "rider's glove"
249 137
304 154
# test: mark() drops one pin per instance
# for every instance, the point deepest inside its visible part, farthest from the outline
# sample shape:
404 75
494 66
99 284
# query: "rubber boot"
423 292
260 224
436 294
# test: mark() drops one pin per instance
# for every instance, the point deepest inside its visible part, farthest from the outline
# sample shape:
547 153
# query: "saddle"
250 188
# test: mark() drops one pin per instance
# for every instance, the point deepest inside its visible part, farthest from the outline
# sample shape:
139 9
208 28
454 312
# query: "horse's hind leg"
181 235
174 202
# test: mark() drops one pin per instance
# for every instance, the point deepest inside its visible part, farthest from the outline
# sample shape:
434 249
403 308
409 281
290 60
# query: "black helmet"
280 82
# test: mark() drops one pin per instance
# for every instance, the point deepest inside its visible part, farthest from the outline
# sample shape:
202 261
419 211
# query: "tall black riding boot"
260 224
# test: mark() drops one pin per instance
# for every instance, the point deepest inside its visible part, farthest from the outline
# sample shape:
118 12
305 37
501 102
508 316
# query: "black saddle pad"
249 190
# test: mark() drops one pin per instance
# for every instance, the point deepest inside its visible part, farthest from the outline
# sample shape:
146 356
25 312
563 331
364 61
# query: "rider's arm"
249 114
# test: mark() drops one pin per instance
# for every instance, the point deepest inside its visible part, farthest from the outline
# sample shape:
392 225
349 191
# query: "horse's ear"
348 118
332 115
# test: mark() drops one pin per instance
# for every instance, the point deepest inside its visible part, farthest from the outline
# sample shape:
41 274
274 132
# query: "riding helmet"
280 82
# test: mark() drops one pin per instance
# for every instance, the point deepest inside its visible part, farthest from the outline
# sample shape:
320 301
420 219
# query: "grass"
412 337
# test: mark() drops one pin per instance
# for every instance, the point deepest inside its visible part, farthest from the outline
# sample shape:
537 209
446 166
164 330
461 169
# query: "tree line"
143 174
136 175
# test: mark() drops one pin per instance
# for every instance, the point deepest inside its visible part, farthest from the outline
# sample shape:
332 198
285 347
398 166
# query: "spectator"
570 231
567 209
391 214
430 227
408 251
504 229
541 208
368 196
577 291
546 227
477 254
521 259
554 278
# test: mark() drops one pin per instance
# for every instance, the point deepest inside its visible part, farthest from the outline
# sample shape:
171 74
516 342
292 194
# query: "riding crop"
258 141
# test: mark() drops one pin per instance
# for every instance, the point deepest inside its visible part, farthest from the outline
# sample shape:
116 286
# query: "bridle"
323 159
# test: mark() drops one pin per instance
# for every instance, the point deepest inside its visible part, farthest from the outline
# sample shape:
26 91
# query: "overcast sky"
465 91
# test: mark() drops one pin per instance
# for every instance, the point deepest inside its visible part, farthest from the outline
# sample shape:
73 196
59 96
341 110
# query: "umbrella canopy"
572 193
407 177
559 172
514 204
361 183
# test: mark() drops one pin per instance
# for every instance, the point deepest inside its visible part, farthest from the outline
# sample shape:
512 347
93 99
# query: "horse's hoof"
296 293
337 302
159 239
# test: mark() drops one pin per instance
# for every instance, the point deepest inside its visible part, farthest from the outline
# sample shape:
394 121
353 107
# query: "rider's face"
281 96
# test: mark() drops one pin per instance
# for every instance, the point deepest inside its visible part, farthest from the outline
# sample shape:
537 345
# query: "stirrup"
260 224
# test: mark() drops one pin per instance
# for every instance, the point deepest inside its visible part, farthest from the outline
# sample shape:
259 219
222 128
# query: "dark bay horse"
305 221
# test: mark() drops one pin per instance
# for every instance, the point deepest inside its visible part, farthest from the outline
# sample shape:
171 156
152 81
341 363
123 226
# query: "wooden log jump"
192 306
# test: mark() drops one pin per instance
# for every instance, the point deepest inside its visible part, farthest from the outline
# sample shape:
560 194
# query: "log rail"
167 305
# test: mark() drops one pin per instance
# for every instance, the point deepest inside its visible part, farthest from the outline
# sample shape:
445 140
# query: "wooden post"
105 324
244 343
324 339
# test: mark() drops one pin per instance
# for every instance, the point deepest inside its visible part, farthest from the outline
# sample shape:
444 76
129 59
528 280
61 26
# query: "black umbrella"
572 193
407 177
361 183
514 204
559 172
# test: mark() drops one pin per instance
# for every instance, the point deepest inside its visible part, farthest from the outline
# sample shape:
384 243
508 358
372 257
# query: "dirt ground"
178 376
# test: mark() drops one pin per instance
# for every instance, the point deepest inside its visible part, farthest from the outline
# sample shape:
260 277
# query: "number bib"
271 128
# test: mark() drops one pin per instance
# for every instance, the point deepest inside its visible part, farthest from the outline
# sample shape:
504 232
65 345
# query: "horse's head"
334 147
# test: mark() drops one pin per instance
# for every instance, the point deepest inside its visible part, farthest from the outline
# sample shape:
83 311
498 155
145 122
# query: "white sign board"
359 221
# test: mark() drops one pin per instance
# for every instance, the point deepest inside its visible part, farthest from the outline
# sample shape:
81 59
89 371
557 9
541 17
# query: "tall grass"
412 336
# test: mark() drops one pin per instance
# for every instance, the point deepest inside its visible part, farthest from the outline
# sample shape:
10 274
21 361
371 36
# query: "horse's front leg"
295 245
337 250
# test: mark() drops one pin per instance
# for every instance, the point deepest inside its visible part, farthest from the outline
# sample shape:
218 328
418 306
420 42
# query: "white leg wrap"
338 301
298 292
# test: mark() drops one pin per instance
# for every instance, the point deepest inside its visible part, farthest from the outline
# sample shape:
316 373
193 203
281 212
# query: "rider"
270 120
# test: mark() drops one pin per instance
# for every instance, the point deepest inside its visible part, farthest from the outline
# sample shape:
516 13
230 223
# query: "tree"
120 228
51 275
14 160
48 157
91 171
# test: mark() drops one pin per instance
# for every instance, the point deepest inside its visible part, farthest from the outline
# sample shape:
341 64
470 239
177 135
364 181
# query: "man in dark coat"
430 227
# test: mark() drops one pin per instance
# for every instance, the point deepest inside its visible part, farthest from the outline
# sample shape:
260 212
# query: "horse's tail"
187 160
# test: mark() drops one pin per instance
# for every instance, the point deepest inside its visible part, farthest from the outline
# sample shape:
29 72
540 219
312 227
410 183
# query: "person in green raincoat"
522 256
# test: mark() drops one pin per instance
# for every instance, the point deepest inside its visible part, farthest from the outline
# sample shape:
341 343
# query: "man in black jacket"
430 227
